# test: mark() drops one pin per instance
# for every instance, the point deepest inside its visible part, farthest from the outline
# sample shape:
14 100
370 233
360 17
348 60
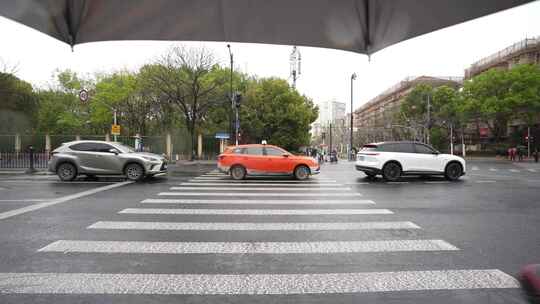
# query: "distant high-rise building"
330 111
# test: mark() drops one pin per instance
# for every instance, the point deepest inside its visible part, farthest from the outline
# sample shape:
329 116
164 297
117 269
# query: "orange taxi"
256 160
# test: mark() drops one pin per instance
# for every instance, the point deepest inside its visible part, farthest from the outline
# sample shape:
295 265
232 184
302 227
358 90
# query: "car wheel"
301 173
238 172
453 171
67 172
391 172
134 172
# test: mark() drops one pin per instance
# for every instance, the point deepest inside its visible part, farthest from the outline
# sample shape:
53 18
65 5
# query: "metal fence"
12 160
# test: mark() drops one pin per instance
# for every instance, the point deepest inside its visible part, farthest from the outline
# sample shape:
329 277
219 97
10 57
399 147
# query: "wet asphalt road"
422 240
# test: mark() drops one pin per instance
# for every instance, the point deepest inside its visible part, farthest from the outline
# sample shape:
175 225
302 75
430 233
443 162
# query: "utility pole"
451 138
351 157
114 121
231 96
295 60
528 142
330 145
428 119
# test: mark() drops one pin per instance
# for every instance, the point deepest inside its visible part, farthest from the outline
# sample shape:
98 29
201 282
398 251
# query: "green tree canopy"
275 112
18 105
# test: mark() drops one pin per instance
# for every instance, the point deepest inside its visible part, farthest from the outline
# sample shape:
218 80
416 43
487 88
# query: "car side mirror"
435 153
285 155
115 151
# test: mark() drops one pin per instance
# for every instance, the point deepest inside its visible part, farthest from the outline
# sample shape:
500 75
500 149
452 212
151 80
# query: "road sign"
115 129
222 135
83 95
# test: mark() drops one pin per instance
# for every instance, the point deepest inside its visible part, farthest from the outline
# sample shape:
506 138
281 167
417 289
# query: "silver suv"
93 158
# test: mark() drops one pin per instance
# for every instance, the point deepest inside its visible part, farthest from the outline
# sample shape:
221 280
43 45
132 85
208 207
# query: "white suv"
394 159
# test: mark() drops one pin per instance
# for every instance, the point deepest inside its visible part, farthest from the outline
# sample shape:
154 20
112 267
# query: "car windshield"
124 148
413 174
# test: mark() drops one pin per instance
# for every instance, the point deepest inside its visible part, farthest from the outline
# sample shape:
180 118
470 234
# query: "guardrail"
21 160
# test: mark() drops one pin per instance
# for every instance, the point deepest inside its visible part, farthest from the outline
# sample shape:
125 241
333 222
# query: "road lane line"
493 169
256 211
249 188
253 284
8 214
23 200
256 202
475 168
255 194
273 181
226 226
485 181
531 170
67 246
514 170
437 182
306 185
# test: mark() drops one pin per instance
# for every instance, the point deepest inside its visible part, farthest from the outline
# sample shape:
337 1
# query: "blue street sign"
222 135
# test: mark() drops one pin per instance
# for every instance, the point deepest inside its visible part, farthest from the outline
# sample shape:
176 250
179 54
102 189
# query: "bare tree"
182 77
7 69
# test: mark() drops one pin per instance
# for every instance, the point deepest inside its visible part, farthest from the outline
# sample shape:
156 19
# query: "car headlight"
150 158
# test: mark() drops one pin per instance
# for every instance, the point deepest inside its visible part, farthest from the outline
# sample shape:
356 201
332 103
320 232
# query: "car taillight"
221 157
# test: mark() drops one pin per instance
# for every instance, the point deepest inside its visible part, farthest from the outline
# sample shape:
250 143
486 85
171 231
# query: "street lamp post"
353 77
231 128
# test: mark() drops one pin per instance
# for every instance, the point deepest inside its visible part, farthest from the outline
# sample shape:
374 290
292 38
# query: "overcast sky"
325 73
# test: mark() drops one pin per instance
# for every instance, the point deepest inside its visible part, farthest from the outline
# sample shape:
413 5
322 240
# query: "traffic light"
237 99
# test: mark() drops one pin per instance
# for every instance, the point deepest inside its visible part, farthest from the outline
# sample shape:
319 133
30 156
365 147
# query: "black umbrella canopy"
363 26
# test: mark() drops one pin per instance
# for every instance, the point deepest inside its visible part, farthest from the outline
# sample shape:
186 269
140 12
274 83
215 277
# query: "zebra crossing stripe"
257 201
265 181
226 226
66 246
253 284
306 185
531 170
228 178
247 188
223 194
257 211
514 170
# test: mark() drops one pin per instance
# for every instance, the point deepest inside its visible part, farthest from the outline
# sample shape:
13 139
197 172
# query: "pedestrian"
520 153
509 153
513 154
536 154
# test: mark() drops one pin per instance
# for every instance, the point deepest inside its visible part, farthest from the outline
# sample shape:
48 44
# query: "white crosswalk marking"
323 199
277 181
248 247
251 226
257 211
228 179
247 188
290 185
531 170
514 170
223 194
493 169
475 168
257 201
252 284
